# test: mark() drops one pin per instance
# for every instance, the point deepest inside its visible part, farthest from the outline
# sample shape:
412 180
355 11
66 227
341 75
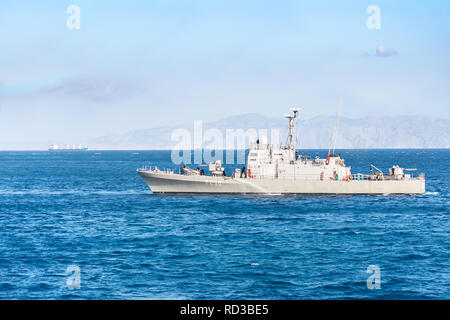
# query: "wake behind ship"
278 169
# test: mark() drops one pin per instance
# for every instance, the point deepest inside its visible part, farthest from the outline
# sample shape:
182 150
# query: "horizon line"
325 149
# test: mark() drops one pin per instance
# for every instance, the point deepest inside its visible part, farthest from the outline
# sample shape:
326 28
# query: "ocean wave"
70 192
97 213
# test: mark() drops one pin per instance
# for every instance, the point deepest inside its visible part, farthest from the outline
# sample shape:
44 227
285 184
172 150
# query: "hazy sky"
136 64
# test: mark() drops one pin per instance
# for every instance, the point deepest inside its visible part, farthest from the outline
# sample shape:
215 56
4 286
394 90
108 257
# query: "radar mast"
291 127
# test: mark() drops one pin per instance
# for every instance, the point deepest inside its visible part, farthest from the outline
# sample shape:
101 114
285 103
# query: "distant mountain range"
315 133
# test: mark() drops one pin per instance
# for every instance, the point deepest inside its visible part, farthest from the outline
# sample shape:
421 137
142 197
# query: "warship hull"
171 183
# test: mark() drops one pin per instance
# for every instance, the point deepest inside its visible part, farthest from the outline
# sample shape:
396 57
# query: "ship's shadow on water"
94 212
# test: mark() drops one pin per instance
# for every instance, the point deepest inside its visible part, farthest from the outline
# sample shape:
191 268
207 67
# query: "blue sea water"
92 210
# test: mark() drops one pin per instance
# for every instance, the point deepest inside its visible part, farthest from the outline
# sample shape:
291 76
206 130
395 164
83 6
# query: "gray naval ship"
278 169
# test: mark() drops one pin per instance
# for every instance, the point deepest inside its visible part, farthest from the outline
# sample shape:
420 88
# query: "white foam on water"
262 190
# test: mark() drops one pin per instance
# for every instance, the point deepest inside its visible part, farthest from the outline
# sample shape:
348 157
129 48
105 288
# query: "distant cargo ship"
55 147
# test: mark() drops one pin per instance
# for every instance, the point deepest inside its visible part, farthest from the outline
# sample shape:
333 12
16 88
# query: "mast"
335 129
291 127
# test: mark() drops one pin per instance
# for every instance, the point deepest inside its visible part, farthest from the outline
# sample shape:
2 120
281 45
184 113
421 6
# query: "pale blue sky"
137 64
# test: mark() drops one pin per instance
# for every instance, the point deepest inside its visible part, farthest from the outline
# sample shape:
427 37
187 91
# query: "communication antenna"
335 130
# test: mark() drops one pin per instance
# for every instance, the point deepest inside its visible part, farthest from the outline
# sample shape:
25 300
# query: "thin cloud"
380 51
93 89
384 52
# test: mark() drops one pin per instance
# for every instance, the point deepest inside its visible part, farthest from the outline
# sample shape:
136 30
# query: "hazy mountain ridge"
367 132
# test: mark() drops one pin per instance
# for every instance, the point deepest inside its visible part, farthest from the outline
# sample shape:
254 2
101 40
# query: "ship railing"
310 177
155 169
147 168
317 177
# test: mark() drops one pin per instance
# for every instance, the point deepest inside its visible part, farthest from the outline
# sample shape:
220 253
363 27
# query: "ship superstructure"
283 162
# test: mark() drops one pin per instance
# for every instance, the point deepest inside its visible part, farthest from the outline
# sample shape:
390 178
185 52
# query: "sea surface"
61 213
